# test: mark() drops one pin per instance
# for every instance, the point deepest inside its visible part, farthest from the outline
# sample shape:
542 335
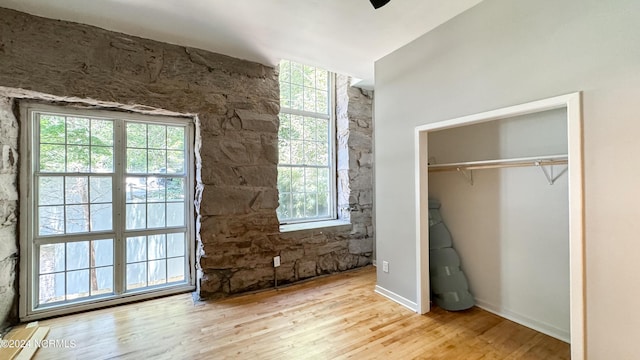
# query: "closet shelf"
541 161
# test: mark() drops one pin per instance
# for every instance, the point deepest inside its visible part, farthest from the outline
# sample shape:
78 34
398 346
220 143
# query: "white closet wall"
511 228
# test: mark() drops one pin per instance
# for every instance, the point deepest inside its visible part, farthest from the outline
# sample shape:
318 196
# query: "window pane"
77 255
309 76
175 245
52 129
101 217
101 253
77 131
157 272
157 161
136 275
285 95
297 205
310 128
284 209
284 179
136 135
175 269
310 205
102 280
323 180
323 131
157 136
309 99
297 76
101 159
136 161
322 101
52 158
311 180
323 154
322 79
284 147
50 220
297 97
101 132
157 247
175 162
136 216
78 158
285 70
310 153
155 189
175 214
323 204
175 189
175 137
50 190
136 249
100 189
297 180
136 189
297 127
77 284
156 215
52 258
77 217
51 288
297 152
76 190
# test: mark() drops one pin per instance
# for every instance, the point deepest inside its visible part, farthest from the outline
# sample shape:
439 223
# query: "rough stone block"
210 283
251 279
366 159
306 269
258 122
225 200
290 256
361 246
365 197
360 141
8 187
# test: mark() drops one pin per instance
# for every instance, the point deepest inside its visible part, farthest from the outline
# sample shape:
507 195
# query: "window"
108 206
306 169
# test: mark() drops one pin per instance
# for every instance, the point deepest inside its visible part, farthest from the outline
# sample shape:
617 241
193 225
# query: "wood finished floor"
335 317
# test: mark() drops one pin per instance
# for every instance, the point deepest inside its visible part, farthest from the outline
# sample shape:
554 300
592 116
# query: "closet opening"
510 182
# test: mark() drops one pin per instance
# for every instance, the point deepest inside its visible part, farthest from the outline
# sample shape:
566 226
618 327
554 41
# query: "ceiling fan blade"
379 3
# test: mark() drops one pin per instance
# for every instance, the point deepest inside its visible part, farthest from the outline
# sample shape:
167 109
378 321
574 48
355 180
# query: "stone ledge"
316 225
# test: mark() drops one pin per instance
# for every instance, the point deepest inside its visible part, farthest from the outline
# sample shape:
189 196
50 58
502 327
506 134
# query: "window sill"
315 225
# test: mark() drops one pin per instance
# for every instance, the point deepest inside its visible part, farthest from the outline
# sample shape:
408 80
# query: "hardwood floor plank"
334 317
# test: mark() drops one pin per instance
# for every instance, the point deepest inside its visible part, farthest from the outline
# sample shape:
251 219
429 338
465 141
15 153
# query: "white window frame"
331 116
29 259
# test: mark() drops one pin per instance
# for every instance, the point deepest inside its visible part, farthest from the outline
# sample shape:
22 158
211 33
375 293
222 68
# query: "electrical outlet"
385 266
276 261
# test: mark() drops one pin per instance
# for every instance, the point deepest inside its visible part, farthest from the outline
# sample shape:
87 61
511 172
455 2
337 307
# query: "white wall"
511 228
507 52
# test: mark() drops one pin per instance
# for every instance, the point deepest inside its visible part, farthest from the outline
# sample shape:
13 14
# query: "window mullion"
119 213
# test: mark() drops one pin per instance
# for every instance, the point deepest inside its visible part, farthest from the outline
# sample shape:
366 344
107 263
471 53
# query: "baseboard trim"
539 326
397 298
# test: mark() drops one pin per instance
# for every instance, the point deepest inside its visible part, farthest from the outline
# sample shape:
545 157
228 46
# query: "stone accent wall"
236 104
355 154
8 214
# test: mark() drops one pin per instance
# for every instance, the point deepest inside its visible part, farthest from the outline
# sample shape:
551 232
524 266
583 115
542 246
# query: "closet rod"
502 163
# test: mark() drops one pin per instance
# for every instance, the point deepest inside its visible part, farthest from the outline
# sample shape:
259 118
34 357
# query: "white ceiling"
344 36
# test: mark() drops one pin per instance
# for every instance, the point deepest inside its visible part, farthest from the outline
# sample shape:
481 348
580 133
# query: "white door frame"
573 103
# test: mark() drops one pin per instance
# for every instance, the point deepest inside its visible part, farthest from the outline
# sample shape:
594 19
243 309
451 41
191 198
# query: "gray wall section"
501 53
511 228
